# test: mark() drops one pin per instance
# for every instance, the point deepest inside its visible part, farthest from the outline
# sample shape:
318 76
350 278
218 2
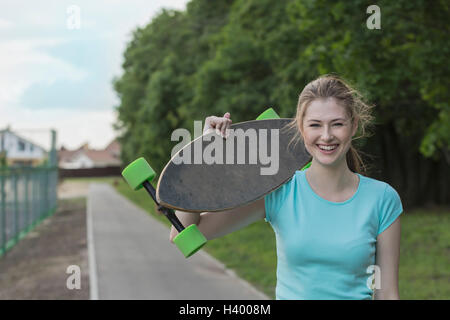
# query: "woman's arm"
387 259
218 224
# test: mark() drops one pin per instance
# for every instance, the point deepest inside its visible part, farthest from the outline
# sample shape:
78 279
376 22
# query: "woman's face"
327 131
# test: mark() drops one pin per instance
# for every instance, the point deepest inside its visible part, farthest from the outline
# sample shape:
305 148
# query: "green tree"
243 56
401 68
155 89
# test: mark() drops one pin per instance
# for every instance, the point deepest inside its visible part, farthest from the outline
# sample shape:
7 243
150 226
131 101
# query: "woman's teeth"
328 148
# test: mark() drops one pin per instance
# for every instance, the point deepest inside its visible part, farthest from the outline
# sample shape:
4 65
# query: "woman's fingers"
209 124
219 124
225 128
226 125
219 127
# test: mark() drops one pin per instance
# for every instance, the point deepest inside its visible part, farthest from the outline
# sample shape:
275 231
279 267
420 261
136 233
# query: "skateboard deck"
198 179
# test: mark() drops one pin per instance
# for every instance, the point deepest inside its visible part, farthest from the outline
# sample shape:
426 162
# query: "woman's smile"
327 148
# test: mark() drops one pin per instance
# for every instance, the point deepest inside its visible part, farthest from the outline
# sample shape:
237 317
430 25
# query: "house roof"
102 156
66 155
108 156
8 130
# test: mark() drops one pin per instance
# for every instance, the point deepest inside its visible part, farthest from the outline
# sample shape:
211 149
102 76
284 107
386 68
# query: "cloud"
51 76
25 62
73 127
5 24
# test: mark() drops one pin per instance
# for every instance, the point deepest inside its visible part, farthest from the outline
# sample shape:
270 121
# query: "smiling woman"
336 230
330 106
339 226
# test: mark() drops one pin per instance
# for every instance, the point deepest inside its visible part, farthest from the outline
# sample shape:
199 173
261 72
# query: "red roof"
110 156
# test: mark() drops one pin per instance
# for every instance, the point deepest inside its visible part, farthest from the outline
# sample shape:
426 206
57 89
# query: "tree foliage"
245 55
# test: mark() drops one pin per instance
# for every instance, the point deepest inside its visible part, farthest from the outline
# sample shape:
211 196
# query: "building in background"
17 151
84 157
86 162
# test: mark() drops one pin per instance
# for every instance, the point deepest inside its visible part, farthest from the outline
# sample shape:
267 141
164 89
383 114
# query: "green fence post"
33 197
41 194
27 199
36 197
54 171
16 208
46 207
3 208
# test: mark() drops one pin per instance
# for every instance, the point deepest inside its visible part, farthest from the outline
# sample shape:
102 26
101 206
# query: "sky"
57 62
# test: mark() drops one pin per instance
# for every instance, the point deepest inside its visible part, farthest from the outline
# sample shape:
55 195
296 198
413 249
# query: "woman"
333 225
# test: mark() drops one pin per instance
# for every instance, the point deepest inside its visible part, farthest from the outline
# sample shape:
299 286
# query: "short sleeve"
391 207
268 203
274 200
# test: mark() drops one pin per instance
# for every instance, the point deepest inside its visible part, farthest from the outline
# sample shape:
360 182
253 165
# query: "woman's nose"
326 133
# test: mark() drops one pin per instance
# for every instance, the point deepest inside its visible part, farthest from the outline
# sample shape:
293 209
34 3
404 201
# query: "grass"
424 271
425 255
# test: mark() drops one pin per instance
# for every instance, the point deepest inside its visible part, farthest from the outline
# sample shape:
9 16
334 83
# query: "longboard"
189 184
253 161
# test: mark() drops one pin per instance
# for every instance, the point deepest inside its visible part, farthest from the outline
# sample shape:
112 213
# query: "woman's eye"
317 125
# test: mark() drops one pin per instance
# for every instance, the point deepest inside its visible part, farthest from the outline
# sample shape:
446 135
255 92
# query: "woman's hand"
220 124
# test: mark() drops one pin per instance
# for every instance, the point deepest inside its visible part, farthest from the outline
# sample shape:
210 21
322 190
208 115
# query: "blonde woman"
334 226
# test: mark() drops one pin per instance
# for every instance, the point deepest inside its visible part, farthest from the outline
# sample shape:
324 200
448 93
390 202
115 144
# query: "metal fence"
27 196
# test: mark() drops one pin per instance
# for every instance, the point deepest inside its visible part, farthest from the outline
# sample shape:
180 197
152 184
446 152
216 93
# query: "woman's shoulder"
379 187
284 189
388 201
372 182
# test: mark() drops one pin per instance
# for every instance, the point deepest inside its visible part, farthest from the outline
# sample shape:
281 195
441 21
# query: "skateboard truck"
138 174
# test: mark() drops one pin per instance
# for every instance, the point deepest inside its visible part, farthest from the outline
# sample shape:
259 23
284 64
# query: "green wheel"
268 114
190 240
137 172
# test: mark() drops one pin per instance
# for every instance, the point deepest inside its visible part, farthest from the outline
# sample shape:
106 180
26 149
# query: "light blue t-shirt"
324 248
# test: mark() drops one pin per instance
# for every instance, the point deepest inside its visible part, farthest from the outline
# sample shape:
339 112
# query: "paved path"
130 257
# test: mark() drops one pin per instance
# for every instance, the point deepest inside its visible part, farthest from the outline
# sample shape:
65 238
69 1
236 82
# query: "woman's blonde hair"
332 86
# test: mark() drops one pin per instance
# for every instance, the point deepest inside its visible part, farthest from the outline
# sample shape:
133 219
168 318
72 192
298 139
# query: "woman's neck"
331 179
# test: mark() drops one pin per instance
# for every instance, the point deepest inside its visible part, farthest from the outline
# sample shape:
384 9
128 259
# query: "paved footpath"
130 257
